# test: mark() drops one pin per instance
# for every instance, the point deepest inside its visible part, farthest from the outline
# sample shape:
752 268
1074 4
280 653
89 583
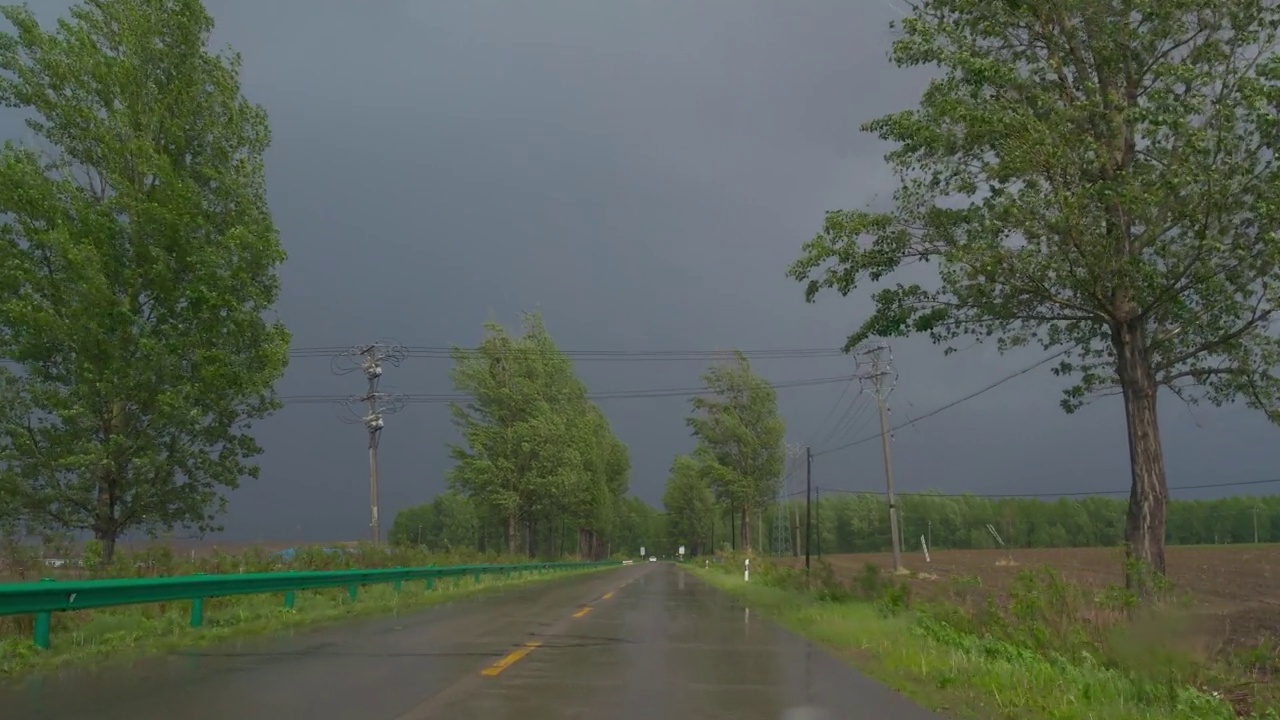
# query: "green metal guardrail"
45 597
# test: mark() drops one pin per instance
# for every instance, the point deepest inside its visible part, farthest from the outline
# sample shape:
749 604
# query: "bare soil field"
1235 587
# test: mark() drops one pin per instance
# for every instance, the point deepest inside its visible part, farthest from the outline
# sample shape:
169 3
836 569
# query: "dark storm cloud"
642 172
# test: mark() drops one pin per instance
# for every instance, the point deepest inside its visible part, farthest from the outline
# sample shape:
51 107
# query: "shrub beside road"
110 633
1042 645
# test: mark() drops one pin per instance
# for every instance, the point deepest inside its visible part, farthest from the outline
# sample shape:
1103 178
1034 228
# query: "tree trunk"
745 527
513 534
104 522
1149 493
107 540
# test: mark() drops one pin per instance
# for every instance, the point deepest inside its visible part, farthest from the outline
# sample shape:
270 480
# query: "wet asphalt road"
645 641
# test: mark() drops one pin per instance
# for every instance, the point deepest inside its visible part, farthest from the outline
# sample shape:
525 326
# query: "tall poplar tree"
740 438
138 265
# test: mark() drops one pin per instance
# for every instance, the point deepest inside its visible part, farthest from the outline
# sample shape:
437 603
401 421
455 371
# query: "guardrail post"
44 621
353 591
477 577
197 610
288 600
431 582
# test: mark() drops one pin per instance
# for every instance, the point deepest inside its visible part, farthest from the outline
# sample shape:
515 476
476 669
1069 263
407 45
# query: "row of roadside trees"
736 464
539 470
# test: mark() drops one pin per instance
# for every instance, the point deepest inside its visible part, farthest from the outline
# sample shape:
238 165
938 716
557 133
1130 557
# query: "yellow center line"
608 595
582 612
509 659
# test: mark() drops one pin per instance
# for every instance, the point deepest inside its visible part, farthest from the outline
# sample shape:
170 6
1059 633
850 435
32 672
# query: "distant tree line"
855 523
450 523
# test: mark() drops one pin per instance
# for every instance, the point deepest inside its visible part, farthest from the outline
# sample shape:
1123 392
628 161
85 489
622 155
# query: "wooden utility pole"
875 366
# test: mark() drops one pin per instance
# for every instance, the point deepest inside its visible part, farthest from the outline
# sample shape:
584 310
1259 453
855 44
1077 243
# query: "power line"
835 406
949 405
1086 493
441 398
446 353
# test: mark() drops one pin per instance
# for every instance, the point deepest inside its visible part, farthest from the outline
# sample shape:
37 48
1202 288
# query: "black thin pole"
817 511
808 504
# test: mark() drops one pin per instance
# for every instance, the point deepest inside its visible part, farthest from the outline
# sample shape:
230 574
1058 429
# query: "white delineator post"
746 570
925 545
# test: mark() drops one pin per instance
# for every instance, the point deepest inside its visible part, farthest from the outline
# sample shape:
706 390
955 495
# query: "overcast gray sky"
642 172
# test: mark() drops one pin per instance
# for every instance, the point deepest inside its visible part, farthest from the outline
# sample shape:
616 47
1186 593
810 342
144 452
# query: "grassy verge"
940 656
90 637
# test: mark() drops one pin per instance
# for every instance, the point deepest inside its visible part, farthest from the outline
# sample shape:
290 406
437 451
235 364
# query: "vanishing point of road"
640 642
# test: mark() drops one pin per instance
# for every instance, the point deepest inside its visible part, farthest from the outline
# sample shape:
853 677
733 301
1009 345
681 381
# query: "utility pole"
1255 526
875 365
375 406
808 498
817 511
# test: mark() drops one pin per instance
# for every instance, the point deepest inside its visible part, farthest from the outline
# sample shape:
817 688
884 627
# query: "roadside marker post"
746 570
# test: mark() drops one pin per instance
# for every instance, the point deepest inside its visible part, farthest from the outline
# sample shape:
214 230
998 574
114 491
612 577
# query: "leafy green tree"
740 436
137 265
447 523
1090 176
594 502
536 451
689 506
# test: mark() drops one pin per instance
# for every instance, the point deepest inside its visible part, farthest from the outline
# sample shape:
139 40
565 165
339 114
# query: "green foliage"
689 505
137 263
1089 176
740 450
449 522
846 523
1079 166
536 451
1045 648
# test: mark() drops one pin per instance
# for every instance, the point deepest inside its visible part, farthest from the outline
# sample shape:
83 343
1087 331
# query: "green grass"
91 637
965 674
